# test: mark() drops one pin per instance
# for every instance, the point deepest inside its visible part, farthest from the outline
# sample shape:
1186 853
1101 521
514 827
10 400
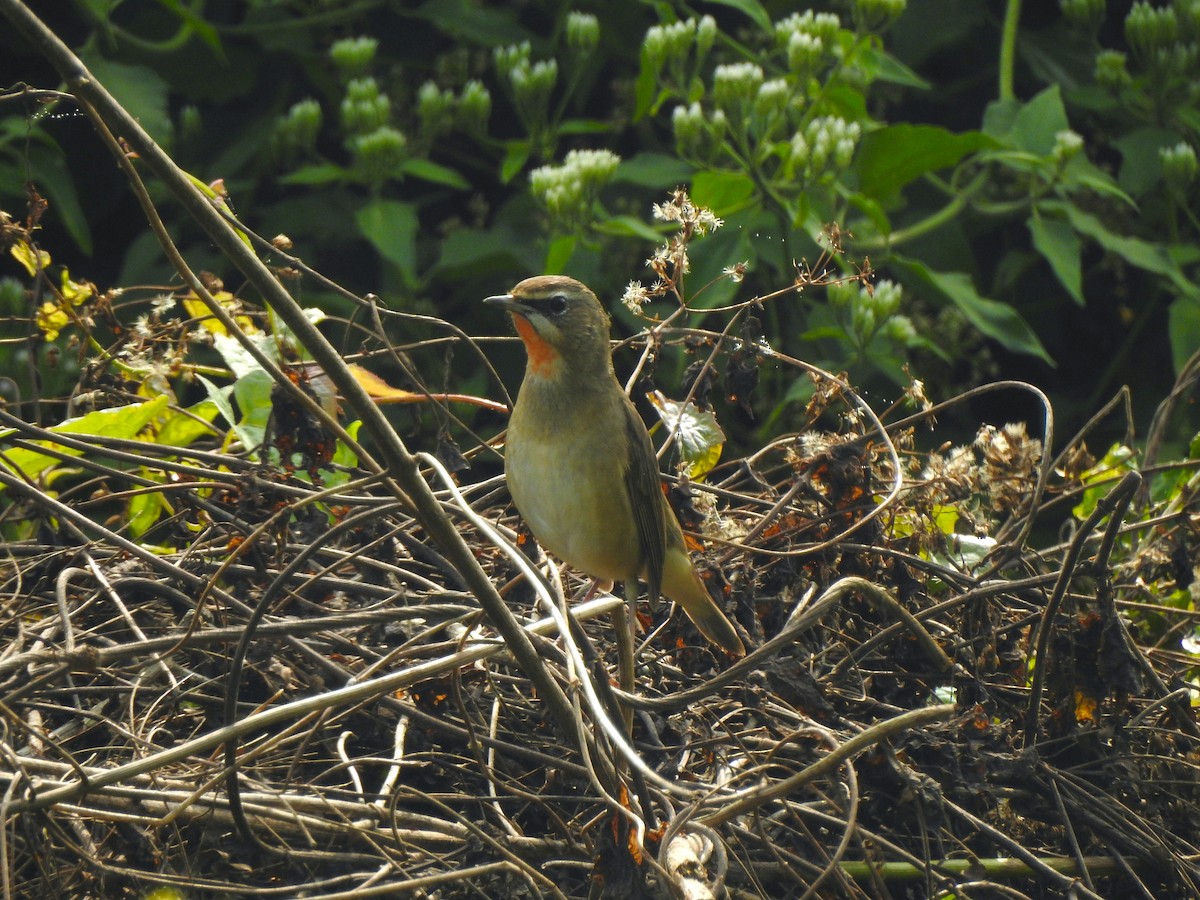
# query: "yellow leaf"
197 309
380 390
31 259
51 319
75 292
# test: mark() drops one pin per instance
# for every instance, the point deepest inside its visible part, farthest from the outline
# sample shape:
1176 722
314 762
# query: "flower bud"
474 107
706 34
379 154
583 32
1179 168
509 58
1149 29
296 131
364 108
1085 15
353 56
1111 70
735 87
1067 145
875 15
435 109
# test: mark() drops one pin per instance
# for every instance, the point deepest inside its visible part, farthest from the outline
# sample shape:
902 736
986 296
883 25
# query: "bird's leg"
625 627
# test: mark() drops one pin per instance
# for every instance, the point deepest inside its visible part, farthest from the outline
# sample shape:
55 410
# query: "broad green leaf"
391 227
180 429
432 172
145 508
47 168
325 173
995 320
139 89
558 254
721 191
516 154
1080 173
891 70
219 397
1141 167
195 23
1103 477
873 210
478 23
1060 246
1183 318
583 126
1031 126
628 226
343 459
124 422
253 395
892 157
654 170
238 358
648 97
1143 254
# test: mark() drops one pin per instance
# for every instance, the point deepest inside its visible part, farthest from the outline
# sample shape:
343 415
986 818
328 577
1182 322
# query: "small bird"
580 465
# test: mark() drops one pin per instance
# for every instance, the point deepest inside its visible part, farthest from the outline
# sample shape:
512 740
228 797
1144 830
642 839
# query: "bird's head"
559 319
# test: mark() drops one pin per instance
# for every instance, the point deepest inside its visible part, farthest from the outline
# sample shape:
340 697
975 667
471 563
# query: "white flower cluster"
567 191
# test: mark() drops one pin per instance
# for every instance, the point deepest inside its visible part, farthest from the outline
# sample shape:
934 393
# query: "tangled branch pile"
242 654
934 695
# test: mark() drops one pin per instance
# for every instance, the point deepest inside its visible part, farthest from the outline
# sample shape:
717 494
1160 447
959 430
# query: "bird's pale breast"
569 487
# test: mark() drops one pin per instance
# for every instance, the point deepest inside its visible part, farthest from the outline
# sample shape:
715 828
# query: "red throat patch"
542 357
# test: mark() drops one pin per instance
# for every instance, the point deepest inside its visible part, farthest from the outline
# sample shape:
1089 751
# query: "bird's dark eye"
557 304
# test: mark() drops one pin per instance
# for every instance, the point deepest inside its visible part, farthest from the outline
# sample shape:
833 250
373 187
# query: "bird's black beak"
507 302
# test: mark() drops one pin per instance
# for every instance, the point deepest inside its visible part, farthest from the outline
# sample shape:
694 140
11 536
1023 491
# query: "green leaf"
698 436
1031 126
647 95
139 89
1103 477
558 254
892 157
516 154
654 170
253 395
124 422
432 172
1141 167
391 227
583 126
751 8
219 397
1183 320
478 23
325 173
891 70
628 226
199 26
238 358
47 168
721 191
180 429
870 208
1080 173
995 320
146 508
1060 246
1143 254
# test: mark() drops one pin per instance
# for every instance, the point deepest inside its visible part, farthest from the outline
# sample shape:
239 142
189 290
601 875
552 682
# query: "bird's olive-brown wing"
644 483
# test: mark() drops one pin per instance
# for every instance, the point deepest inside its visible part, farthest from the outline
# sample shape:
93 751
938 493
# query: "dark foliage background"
425 200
